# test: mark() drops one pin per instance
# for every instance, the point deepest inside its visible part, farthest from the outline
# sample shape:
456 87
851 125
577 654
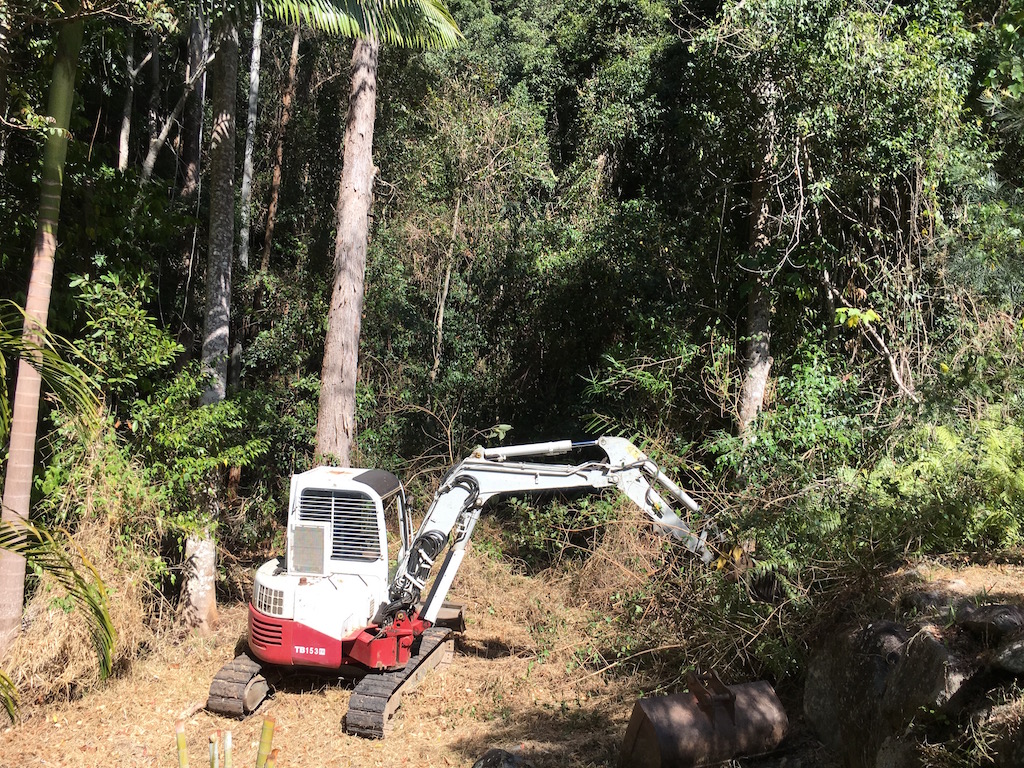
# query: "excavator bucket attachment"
711 724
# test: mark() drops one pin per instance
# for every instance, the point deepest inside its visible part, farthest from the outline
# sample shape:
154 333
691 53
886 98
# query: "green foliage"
542 533
101 479
812 426
409 23
119 335
948 489
186 445
983 227
60 365
1005 79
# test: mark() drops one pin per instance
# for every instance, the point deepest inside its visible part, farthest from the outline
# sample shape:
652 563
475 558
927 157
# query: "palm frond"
424 24
8 695
5 404
80 581
60 365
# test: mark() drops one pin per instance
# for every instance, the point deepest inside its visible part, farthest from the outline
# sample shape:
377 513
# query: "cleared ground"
508 687
514 684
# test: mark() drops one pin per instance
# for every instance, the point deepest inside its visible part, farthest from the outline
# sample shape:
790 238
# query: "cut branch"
879 344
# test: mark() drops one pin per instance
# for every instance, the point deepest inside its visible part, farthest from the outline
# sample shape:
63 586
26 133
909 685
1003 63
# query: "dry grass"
515 682
115 510
54 657
510 686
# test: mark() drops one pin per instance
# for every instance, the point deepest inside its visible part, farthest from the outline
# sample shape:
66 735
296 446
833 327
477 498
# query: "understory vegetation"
562 245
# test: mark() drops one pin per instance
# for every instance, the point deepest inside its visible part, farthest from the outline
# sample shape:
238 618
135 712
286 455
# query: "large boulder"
992 622
868 691
845 683
1009 656
927 681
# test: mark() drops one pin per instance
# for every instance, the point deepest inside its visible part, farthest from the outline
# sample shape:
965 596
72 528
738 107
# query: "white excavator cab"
337 521
335 573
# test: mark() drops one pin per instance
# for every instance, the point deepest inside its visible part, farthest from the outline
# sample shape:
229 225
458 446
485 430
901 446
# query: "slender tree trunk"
192 149
156 142
335 433
153 113
758 356
222 210
198 595
5 63
124 137
198 47
758 359
21 455
250 136
442 296
275 181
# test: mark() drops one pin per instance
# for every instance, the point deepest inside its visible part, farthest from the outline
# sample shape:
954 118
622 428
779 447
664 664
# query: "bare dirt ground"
511 685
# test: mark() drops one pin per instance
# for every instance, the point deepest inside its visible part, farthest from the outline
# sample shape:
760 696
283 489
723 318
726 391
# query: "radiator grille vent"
352 518
308 548
269 601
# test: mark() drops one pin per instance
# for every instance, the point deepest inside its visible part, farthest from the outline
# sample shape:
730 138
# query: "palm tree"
18 483
20 541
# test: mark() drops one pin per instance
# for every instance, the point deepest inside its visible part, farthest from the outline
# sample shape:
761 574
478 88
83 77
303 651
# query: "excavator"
332 604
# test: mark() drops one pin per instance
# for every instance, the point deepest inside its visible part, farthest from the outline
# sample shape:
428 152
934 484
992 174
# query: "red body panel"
285 642
289 643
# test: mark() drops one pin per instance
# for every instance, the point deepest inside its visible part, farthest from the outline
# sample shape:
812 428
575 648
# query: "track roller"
377 697
238 689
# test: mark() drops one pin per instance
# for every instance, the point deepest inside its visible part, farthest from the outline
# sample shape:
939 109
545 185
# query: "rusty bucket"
712 723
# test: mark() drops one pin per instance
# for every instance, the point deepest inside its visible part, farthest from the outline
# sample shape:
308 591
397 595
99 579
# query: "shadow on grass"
550 737
491 648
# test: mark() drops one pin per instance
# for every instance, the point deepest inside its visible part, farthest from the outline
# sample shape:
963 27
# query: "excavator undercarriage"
238 688
376 698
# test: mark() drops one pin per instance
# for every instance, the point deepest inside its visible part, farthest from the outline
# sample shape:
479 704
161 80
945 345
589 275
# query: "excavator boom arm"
487 473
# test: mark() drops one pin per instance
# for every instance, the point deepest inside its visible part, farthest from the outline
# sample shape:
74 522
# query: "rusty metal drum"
712 723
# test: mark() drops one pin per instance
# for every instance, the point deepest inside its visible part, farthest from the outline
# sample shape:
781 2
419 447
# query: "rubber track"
368 711
227 691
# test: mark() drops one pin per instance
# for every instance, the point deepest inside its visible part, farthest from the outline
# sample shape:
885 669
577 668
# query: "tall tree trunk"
5 63
335 434
124 137
250 135
198 47
21 455
758 362
222 209
275 180
153 113
192 150
757 358
198 596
